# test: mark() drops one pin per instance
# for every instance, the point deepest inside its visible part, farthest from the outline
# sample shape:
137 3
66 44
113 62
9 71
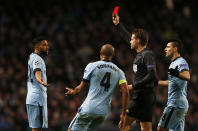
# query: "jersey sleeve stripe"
85 80
122 81
184 70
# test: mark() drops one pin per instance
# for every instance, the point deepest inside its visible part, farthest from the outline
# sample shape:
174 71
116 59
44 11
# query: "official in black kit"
144 71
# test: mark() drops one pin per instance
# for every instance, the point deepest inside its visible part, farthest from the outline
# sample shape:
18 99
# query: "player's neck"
175 56
106 59
37 51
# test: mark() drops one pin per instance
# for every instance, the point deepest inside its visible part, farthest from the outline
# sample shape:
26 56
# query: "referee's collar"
144 49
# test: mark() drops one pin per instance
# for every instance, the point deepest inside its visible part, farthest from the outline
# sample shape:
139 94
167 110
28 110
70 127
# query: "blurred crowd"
76 30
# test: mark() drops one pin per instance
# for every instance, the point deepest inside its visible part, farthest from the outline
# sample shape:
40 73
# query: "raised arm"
122 30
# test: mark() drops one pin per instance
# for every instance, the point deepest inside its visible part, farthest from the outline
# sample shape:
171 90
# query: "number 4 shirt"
103 76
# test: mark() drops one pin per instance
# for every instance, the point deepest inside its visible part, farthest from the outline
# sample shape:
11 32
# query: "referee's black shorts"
140 106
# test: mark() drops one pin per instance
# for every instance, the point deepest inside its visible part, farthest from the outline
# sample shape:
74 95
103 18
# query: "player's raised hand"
115 19
69 91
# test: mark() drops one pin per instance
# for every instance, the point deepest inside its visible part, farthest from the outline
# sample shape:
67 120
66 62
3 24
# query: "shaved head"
107 51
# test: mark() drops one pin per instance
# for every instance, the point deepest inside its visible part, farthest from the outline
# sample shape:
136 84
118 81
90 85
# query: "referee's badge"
134 68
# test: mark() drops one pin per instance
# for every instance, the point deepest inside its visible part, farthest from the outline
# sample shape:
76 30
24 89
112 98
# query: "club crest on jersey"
36 63
134 68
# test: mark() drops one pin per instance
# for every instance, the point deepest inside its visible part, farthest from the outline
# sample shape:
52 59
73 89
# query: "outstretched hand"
115 19
69 91
173 72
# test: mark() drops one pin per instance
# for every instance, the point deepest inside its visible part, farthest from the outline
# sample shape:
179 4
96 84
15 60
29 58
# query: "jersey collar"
176 58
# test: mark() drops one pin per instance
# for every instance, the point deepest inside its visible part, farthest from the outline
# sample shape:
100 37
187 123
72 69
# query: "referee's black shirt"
144 66
144 70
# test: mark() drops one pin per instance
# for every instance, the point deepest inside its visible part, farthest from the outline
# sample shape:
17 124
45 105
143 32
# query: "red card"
115 11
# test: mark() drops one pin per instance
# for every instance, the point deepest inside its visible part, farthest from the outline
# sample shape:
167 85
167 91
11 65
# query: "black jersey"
144 70
144 66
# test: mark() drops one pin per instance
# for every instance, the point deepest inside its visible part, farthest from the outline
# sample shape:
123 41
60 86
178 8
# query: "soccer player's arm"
181 71
39 78
76 90
121 28
86 77
184 73
125 94
37 72
151 71
125 97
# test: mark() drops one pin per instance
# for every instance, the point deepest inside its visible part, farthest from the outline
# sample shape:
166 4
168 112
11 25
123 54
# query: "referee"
144 70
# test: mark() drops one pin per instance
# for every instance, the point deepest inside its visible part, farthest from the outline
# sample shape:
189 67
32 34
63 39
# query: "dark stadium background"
76 30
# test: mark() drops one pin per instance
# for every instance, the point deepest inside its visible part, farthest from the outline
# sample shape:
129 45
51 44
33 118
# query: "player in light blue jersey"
173 117
103 77
36 100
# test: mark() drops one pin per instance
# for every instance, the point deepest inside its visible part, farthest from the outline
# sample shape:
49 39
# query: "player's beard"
44 53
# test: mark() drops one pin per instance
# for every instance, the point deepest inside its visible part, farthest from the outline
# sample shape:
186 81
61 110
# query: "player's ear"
100 55
139 41
175 49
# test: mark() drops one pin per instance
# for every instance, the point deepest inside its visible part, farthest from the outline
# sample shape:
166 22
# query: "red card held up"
115 11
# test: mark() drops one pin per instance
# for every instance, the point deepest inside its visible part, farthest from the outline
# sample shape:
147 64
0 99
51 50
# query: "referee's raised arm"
122 30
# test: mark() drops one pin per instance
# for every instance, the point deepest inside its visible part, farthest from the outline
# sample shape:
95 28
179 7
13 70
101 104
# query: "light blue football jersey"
177 87
36 93
104 77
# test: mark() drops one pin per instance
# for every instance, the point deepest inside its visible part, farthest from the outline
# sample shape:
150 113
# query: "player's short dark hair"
142 35
38 40
178 44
